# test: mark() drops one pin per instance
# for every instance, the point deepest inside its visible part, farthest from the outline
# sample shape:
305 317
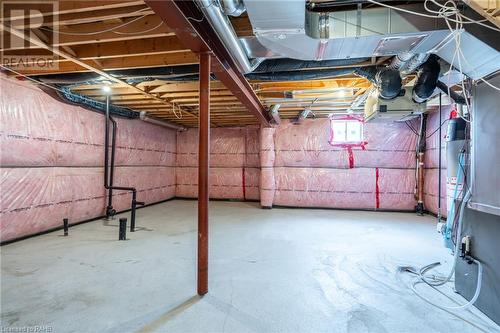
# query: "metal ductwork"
233 7
220 23
144 117
289 29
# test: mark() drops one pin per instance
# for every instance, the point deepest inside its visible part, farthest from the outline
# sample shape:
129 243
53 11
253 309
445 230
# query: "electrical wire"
176 113
437 129
43 83
100 31
139 32
411 128
439 16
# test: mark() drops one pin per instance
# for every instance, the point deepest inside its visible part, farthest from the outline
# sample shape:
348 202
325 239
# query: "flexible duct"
64 95
408 62
224 29
427 77
387 80
285 64
164 72
190 72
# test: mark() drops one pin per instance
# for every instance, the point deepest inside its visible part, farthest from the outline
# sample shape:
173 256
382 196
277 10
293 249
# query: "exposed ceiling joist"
201 38
58 52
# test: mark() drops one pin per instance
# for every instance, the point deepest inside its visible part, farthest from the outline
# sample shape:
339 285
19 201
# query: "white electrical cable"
139 32
469 20
446 11
100 31
459 307
44 84
64 92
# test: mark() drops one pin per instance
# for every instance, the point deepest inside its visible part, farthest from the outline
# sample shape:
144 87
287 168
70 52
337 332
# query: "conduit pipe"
144 117
224 29
274 114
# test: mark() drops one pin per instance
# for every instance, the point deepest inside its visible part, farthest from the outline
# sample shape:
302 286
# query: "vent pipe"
224 29
144 117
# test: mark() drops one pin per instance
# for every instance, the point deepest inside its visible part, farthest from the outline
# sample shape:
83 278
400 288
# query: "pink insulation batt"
52 161
234 163
52 164
300 168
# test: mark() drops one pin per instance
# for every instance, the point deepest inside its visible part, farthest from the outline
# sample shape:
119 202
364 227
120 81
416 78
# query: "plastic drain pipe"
109 172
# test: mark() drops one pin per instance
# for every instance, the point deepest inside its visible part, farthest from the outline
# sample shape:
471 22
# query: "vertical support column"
203 172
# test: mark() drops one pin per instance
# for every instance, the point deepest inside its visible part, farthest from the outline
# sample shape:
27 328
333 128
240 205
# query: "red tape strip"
377 189
244 183
351 157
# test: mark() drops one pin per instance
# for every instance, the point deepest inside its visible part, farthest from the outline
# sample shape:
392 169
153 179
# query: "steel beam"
203 172
188 23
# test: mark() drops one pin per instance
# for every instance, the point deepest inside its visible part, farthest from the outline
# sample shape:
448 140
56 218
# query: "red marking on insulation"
244 184
377 189
351 157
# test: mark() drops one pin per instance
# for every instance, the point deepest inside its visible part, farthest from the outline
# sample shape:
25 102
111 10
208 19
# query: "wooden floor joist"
97 36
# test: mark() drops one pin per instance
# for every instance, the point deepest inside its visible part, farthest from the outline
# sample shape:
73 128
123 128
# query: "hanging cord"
177 115
102 31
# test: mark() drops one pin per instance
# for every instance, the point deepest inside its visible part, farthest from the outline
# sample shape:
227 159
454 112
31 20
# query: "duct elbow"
427 78
233 7
386 79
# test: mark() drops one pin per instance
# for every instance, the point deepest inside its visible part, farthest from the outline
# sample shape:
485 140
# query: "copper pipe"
203 172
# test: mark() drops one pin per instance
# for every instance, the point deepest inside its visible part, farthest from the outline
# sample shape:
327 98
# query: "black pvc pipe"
109 172
122 230
112 168
65 226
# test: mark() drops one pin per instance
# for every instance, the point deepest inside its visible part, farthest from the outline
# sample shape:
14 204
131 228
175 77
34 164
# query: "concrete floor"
279 270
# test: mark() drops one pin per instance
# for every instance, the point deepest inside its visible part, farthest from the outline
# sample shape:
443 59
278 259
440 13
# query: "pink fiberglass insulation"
234 163
267 162
431 161
52 161
301 168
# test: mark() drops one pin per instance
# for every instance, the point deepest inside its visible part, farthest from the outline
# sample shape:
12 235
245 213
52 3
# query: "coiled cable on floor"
443 307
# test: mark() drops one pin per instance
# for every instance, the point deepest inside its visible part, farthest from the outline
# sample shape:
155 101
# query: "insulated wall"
52 161
300 168
431 178
234 163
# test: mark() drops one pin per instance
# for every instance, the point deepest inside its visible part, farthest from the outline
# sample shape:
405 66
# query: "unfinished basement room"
250 166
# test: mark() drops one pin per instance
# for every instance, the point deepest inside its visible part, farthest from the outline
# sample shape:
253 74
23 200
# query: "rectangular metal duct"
280 26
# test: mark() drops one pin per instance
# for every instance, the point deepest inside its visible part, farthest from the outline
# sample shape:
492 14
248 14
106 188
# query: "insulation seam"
81 199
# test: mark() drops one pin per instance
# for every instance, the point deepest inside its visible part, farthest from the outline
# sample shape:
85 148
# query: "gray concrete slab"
279 270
